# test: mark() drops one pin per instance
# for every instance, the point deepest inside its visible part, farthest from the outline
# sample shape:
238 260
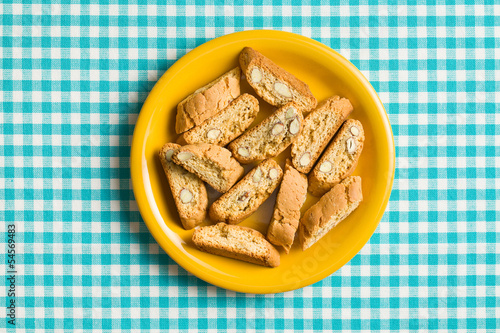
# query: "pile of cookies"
325 149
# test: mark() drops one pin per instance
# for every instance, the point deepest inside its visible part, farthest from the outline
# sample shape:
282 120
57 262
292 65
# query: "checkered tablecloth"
73 79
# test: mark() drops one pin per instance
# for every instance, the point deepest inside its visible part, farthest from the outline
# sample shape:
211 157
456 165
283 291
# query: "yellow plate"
327 74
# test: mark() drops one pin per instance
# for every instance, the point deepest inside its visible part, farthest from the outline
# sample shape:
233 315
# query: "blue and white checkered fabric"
73 79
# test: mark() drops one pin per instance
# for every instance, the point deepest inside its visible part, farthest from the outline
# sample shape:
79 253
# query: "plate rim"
138 145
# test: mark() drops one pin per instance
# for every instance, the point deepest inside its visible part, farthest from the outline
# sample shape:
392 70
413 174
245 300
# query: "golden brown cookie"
189 192
330 210
248 194
269 138
340 158
286 216
234 241
226 125
213 164
207 101
274 84
319 128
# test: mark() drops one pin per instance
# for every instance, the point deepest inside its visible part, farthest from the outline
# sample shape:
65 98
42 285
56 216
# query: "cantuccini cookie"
274 84
286 215
237 242
319 128
330 210
226 125
213 164
248 194
269 138
340 158
207 101
189 192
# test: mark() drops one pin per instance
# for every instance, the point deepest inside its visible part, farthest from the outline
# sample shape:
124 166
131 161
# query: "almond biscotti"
330 210
274 84
319 128
286 216
269 138
248 194
189 192
340 158
237 242
213 164
207 101
226 125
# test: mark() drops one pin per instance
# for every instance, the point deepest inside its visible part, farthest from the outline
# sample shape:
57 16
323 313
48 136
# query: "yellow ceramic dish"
327 73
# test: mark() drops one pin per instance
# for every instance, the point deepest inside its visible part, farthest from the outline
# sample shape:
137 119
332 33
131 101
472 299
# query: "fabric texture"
73 80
